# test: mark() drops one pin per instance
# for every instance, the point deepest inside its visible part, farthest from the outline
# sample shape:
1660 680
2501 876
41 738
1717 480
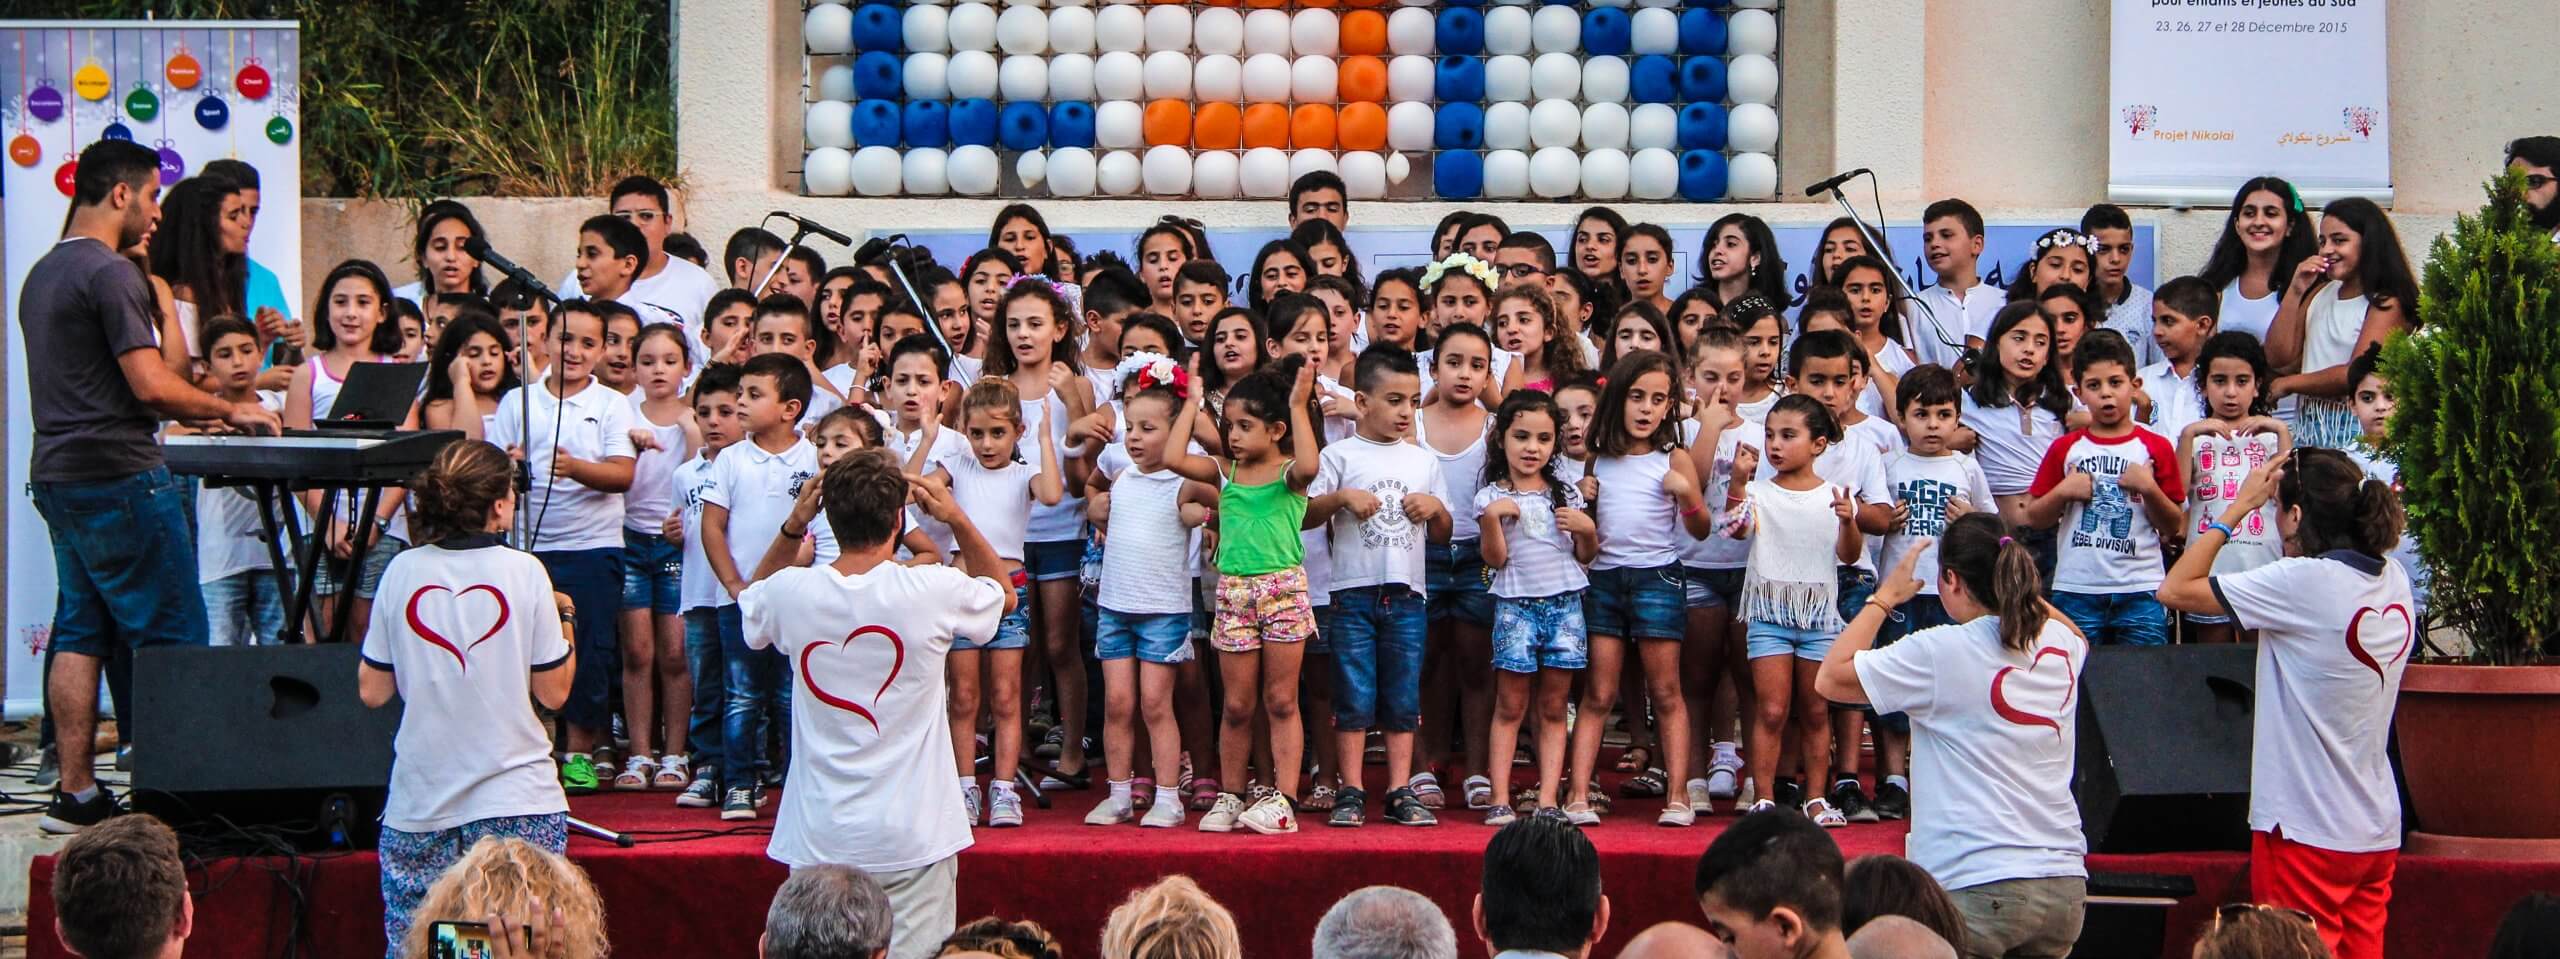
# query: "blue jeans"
709 663
1377 658
245 609
2129 619
1856 587
1543 632
124 563
593 580
1637 602
1454 576
759 697
652 573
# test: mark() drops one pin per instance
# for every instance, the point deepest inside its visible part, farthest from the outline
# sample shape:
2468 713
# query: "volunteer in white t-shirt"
673 285
867 638
2335 629
468 633
1990 701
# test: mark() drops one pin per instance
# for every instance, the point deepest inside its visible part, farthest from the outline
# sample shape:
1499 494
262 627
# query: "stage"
695 886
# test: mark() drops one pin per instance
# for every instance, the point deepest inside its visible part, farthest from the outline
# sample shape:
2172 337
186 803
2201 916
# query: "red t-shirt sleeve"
2164 465
2056 457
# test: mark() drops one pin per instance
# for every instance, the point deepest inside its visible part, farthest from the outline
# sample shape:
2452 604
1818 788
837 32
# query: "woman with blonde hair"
513 884
1172 919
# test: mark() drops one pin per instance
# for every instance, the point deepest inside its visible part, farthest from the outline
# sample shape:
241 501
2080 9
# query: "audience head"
1001 939
1880 885
2242 930
120 891
512 878
2531 929
1674 940
1172 919
826 912
1541 889
1385 922
1898 937
1770 885
1320 195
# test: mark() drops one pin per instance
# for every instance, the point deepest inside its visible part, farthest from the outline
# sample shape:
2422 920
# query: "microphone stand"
799 232
1873 236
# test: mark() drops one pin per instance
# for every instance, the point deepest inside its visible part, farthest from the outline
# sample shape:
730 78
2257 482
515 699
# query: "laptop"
376 396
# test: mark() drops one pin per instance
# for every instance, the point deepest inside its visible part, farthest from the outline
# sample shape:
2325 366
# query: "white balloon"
1365 173
1651 126
1506 174
1653 174
829 123
836 82
1555 172
1218 30
1071 75
1119 75
1119 124
1021 3
972 74
1506 125
875 171
1032 167
1752 79
827 171
1315 33
1751 32
1218 77
972 26
1168 74
1119 29
1168 27
973 170
836 2
1654 30
1556 29
1752 176
1023 77
1555 123
1506 77
1555 76
924 173
1609 3
1305 162
1604 127
1266 78
1411 31
1266 31
1604 174
1751 128
1604 79
1119 173
1411 77
828 28
1398 168
928 76
1071 29
1265 173
1311 79
1506 30
1409 125
1022 31
1166 171
1070 172
1214 175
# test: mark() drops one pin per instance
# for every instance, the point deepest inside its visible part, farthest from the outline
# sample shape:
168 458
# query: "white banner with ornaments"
2205 94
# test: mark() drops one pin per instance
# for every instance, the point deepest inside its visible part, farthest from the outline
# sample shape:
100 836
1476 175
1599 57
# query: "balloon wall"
1610 100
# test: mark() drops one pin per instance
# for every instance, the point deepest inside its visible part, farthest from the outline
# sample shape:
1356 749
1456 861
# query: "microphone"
1834 183
871 250
479 250
811 226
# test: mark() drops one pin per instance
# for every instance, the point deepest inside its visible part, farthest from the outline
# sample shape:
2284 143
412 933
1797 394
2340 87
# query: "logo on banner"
2361 121
2140 117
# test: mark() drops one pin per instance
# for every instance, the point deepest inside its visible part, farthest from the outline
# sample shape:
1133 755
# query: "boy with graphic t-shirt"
868 639
1932 486
1379 494
754 485
2114 486
715 410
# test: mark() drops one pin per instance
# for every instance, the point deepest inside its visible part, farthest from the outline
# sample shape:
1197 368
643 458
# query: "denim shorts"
1764 640
1637 602
1710 588
368 576
1453 577
1377 658
1160 638
124 563
1322 642
1544 632
1012 632
1054 559
2112 619
652 573
1856 587
245 609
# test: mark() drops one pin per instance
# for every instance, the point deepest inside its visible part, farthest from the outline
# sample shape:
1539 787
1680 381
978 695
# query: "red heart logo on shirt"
461 653
2000 698
2355 638
809 680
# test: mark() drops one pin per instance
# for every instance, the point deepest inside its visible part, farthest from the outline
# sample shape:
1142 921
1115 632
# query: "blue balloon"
1025 126
1702 176
1607 32
878 26
1457 175
1458 80
1653 78
1071 124
928 124
1702 80
1701 31
1460 30
973 122
1702 126
879 73
876 123
1458 126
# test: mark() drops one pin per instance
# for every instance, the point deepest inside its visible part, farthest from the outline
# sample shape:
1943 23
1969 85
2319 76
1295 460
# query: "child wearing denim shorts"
997 489
1143 629
1801 528
1536 535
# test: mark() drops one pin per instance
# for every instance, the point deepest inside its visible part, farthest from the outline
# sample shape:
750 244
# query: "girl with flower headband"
2264 241
1457 686
1034 348
1459 289
2061 256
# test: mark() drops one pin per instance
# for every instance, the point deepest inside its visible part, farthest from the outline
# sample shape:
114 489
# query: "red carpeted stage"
693 888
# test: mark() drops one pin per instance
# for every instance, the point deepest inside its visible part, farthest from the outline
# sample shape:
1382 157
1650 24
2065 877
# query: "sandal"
1426 787
1204 794
1525 799
674 772
1319 799
635 774
1479 792
1142 793
1635 758
1644 785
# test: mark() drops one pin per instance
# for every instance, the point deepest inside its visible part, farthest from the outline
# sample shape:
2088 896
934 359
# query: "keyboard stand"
274 501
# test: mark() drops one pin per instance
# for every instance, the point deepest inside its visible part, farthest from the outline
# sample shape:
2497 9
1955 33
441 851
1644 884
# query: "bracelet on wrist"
2223 528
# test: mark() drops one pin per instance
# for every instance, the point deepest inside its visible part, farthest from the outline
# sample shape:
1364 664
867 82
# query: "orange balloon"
1363 126
1318 3
1217 126
1266 125
1168 122
1364 32
1311 127
1361 80
1367 3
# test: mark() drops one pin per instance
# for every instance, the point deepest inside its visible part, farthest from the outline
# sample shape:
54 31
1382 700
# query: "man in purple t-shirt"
124 563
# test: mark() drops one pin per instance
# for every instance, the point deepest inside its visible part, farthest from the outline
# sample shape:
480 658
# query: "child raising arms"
997 489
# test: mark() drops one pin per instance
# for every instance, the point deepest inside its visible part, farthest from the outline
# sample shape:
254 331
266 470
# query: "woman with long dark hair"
444 265
2265 237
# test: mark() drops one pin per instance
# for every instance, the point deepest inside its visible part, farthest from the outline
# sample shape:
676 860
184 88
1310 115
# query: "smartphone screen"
460 940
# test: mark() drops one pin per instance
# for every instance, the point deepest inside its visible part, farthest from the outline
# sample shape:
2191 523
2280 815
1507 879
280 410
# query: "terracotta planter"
2476 743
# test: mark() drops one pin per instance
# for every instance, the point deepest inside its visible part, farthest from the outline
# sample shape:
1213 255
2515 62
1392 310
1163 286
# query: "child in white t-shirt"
2235 437
654 678
2324 814
754 486
2115 489
1712 565
1932 487
243 598
1959 307
700 596
2181 324
1536 534
1832 367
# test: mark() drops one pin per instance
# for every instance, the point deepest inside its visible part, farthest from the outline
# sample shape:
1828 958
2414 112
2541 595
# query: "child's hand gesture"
673 528
1502 509
1900 585
1713 414
2077 486
928 491
2309 274
1746 463
2259 487
1842 506
643 441
1589 485
1901 515
1298 392
1420 508
1575 522
1959 508
458 373
2137 478
1093 428
1362 503
1331 405
2207 426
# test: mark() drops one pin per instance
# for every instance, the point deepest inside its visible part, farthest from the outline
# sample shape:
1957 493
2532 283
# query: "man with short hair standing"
120 892
1541 897
124 561
826 912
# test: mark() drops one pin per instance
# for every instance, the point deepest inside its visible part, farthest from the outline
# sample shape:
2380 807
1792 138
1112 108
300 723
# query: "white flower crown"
1464 262
2082 240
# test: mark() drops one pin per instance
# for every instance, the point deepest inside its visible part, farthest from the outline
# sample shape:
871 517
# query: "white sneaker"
1110 812
1270 815
1701 796
1164 815
1004 808
1749 795
1222 816
972 800
1581 814
1824 814
1677 814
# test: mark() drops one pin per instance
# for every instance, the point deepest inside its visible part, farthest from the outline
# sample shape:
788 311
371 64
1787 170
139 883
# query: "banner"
2204 94
197 91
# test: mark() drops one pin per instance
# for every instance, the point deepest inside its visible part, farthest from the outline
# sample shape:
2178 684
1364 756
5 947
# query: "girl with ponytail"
1990 701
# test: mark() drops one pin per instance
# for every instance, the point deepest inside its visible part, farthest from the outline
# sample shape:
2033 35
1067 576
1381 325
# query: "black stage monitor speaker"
271 738
2164 747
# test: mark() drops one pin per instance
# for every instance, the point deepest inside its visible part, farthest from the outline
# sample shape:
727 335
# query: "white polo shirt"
758 487
593 424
